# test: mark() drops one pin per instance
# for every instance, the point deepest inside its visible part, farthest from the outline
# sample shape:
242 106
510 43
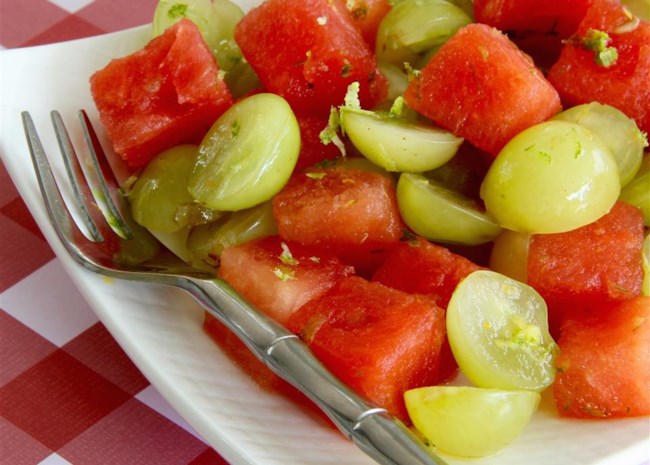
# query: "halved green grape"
637 192
498 332
619 133
553 177
470 421
206 242
247 155
441 215
412 27
398 80
216 19
396 144
159 198
509 255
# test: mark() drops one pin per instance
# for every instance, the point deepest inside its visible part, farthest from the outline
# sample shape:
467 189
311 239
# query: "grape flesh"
553 177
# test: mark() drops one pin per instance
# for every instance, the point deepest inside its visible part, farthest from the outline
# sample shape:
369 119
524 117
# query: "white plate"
160 328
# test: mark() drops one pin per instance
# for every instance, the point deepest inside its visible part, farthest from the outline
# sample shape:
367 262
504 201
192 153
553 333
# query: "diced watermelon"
350 212
596 263
559 17
312 150
240 355
625 83
419 266
483 88
166 94
278 276
378 340
308 52
367 14
604 362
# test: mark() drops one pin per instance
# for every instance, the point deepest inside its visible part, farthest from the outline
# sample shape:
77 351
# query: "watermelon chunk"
168 93
622 84
419 266
483 88
558 17
367 15
378 340
278 276
350 212
604 362
309 52
312 150
596 263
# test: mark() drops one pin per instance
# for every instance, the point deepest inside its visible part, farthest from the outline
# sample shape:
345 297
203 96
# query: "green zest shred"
286 257
316 175
177 10
598 42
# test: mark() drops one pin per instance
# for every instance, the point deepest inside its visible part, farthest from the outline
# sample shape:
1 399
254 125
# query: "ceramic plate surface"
160 328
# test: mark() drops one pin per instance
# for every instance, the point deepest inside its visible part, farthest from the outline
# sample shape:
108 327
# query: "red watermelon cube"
367 15
312 149
422 267
308 52
558 17
623 83
483 88
168 93
278 276
590 265
350 212
378 340
604 362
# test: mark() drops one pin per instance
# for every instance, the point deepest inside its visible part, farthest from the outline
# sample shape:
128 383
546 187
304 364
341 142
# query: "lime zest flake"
330 135
598 42
316 175
177 11
284 274
286 257
397 108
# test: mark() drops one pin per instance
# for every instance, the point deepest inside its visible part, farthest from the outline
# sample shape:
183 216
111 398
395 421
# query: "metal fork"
372 429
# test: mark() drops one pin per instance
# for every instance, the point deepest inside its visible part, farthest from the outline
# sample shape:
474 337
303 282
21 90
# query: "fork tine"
105 178
60 217
80 188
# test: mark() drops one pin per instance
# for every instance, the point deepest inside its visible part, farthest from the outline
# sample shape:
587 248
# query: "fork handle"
379 435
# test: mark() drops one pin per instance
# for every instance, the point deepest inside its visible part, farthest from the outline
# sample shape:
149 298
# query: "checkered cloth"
68 393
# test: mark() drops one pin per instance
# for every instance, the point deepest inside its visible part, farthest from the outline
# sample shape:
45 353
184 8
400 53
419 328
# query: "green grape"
498 332
441 215
509 255
247 155
413 27
398 80
552 177
216 19
469 421
159 198
206 242
637 192
619 133
397 144
142 247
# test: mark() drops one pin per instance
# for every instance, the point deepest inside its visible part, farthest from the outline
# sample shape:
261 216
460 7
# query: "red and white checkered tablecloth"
68 393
